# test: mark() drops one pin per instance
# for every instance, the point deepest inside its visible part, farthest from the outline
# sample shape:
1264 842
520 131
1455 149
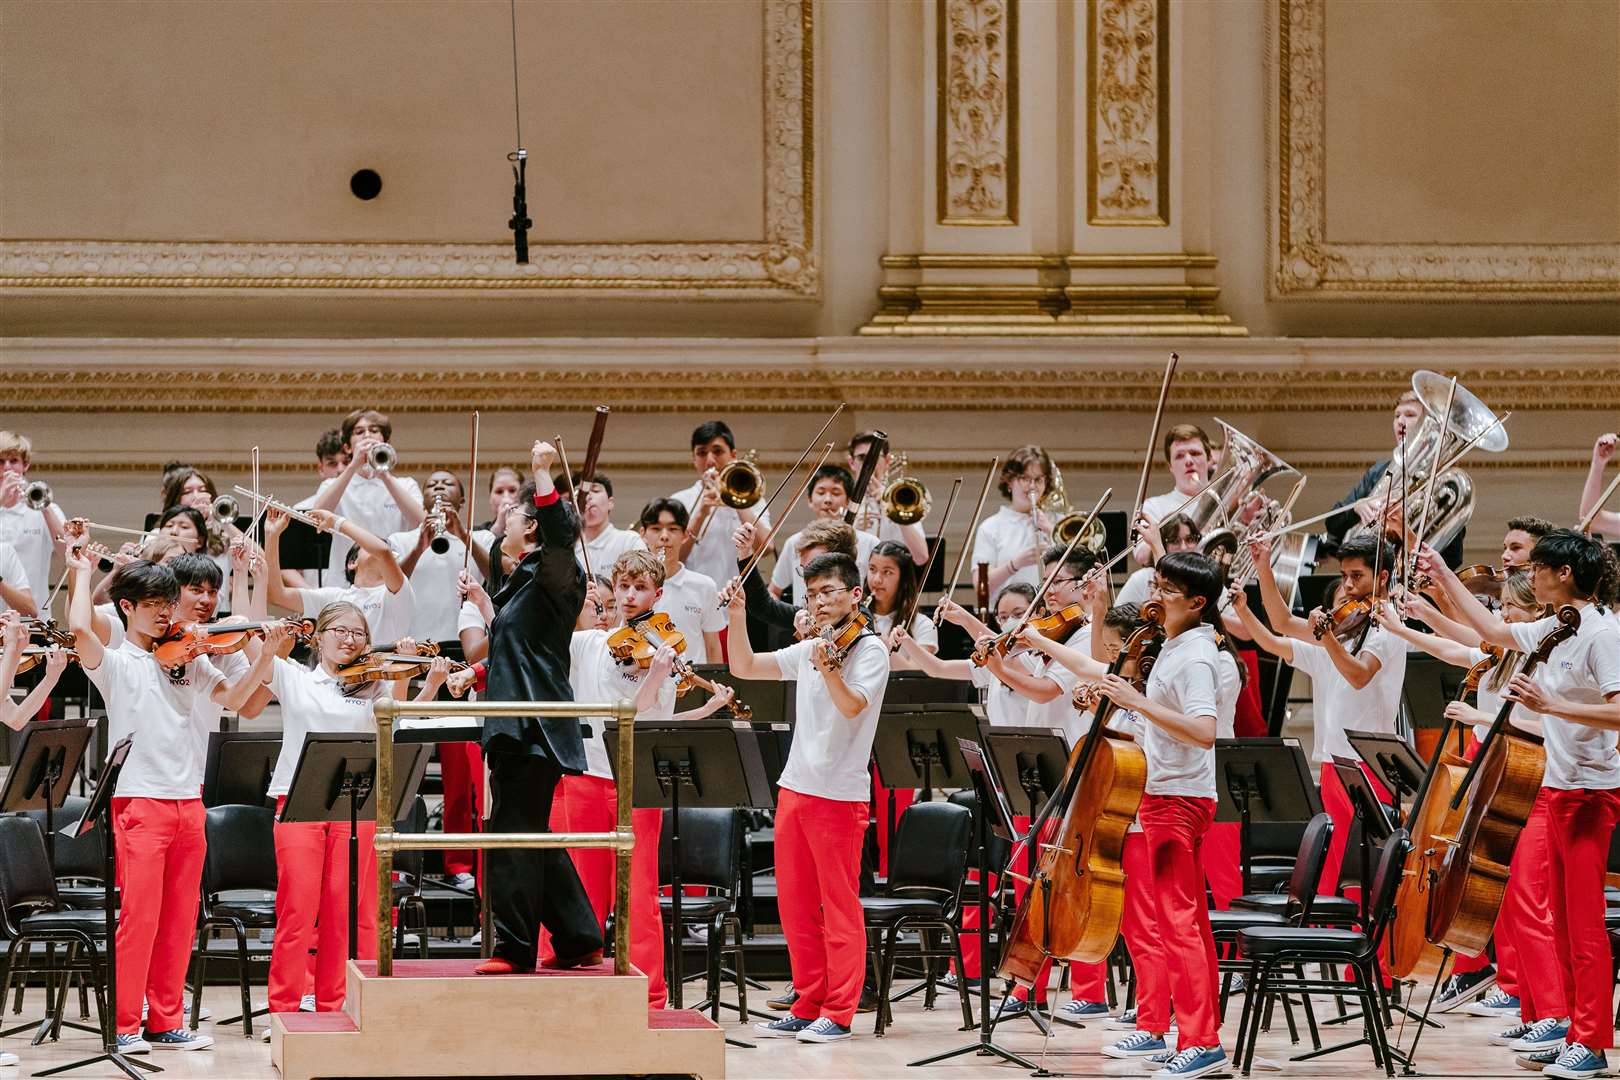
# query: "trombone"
1070 521
905 499
741 483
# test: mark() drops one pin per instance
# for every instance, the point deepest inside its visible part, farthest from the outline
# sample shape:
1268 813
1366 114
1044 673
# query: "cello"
1500 785
1073 907
1411 954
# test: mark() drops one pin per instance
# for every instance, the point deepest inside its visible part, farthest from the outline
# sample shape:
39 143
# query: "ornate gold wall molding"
977 143
782 264
1128 112
1306 264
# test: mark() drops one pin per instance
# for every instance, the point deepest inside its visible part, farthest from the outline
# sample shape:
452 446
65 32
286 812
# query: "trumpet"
223 512
905 499
271 501
741 483
381 457
37 495
1070 520
437 525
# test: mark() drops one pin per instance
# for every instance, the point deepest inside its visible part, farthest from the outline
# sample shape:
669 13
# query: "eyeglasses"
1159 588
825 594
1065 581
346 634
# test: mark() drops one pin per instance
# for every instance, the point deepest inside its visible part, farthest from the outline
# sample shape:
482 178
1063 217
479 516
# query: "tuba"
1247 466
1435 440
1056 501
741 484
905 499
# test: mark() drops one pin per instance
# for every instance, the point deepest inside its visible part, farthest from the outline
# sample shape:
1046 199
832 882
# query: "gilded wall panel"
1127 113
977 143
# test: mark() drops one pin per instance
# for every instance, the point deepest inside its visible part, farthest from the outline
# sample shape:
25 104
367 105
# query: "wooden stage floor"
1459 1050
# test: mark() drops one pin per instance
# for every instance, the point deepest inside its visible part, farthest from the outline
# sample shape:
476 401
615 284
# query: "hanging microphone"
519 222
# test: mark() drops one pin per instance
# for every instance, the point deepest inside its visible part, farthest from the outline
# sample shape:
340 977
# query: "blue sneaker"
1509 1036
1545 1034
786 1028
1496 1003
179 1039
1011 1009
824 1031
1538 1062
1192 1062
1138 1044
1578 1063
1459 990
133 1044
1078 1010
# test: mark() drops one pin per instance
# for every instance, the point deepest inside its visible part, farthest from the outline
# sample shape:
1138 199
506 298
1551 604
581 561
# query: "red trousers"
1336 801
1087 982
1146 939
1467 965
970 914
903 797
461 765
1223 862
818 866
312 908
1580 825
1250 722
1526 937
1174 828
160 845
590 804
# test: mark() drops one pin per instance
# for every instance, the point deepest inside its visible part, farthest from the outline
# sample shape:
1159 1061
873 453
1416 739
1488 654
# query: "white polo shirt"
788 571
605 550
15 575
596 676
388 615
313 700
1187 678
205 711
1158 507
165 761
693 603
366 502
25 530
1003 535
831 752
1135 589
435 580
1336 707
1060 711
1003 706
922 630
715 556
1585 669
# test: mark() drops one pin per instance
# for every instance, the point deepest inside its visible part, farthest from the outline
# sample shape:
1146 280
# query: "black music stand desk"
1262 780
238 768
43 773
1392 761
916 747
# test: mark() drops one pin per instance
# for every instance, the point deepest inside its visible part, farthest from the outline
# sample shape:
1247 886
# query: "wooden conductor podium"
437 1018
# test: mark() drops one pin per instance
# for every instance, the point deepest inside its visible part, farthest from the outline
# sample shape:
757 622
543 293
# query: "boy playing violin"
589 803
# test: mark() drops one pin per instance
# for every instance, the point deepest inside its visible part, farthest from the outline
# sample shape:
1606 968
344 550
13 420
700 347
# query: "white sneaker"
464 880
8 1058
306 1003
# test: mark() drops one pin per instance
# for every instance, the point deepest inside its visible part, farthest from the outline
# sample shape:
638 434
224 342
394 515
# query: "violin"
48 632
185 642
1500 786
1483 581
1056 625
638 642
1347 620
1076 899
382 664
1411 954
35 655
843 636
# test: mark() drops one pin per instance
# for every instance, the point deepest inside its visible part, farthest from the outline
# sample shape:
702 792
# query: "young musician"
1606 522
434 576
828 497
13 639
713 448
312 867
377 584
1174 533
380 502
1179 712
589 803
821 536
1577 693
330 457
1002 705
690 598
16 592
1350 691
872 519
35 534
1011 539
599 539
504 483
157 812
529 640
821 812
187 525
893 582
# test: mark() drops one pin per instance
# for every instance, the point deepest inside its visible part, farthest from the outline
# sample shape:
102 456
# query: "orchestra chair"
711 859
1272 949
927 866
241 859
77 864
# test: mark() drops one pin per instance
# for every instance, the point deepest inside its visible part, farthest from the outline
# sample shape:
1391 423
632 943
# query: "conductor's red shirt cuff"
546 500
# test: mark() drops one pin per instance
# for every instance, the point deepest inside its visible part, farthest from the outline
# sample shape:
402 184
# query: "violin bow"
933 557
573 497
765 545
808 450
472 489
1153 436
1434 466
973 525
1591 515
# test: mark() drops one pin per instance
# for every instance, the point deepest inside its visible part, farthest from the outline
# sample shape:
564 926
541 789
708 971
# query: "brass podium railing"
621 840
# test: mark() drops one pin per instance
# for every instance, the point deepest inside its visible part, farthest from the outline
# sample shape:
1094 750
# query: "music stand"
238 768
916 688
1428 687
694 763
1372 814
335 778
99 814
992 807
43 774
1262 780
916 747
1029 763
304 548
1391 761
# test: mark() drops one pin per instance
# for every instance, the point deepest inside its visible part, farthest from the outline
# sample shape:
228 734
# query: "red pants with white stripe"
312 908
461 765
1146 939
1087 982
1580 825
1526 937
590 804
1174 828
160 845
818 867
